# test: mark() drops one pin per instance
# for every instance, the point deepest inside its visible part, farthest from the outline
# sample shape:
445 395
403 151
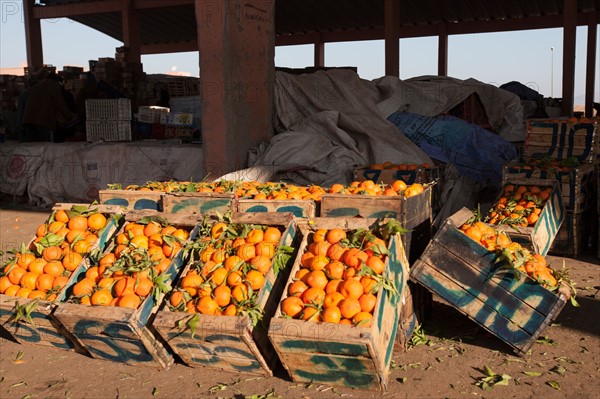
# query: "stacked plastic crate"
108 119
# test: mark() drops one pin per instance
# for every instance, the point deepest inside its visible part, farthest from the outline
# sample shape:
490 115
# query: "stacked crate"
563 140
108 120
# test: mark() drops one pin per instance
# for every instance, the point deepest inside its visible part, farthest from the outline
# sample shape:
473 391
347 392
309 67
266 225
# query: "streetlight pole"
552 72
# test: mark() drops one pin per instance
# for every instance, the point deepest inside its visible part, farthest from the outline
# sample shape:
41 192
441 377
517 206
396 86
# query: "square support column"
131 33
392 37
569 43
590 66
442 50
33 36
236 40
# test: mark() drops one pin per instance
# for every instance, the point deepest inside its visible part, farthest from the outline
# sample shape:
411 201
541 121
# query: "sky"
494 58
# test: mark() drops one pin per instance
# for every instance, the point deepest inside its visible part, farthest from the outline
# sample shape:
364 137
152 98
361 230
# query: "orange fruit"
24 260
36 294
28 280
52 253
60 282
230 310
292 306
152 228
319 248
376 264
399 186
130 301
335 235
297 288
96 221
234 279
74 235
144 286
61 216
125 286
351 289
84 287
331 314
78 223
255 279
233 262
349 307
44 282
306 259
219 276
332 299
336 252
41 230
222 295
37 265
101 298
54 227
367 302
140 241
155 240
272 235
54 268
334 270
93 274
316 279
318 262
240 292
313 295
333 286
255 236
363 319
266 249
4 284
246 251
177 298
217 230
106 282
24 292
191 282
354 258
81 247
12 290
319 235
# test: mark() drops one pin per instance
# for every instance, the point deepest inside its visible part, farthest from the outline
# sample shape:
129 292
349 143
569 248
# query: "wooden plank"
132 200
341 354
299 208
202 203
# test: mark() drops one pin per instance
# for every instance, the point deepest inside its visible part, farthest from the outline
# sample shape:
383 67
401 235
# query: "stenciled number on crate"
213 353
37 333
111 341
494 316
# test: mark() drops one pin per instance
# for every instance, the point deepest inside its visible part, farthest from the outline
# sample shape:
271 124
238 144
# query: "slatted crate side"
572 237
561 140
122 334
542 234
337 354
465 275
202 203
132 200
413 213
299 208
44 331
576 185
231 343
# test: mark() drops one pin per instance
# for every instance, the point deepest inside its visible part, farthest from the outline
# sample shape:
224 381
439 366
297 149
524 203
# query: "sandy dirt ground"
564 364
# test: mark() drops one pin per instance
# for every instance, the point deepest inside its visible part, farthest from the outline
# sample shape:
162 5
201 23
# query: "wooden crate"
542 234
231 343
572 238
463 273
299 208
133 200
121 334
576 186
338 354
413 213
388 176
561 139
202 203
44 329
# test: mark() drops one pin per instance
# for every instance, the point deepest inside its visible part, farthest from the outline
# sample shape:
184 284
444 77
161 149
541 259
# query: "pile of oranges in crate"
519 205
134 267
42 270
229 265
339 279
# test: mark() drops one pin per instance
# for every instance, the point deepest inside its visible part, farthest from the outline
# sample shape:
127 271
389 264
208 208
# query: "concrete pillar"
33 36
319 53
392 37
131 32
236 40
443 50
569 43
590 66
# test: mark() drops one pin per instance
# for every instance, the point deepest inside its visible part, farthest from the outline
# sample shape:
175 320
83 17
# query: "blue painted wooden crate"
231 343
338 354
540 236
133 200
576 185
44 329
122 334
199 203
299 208
413 213
561 139
464 274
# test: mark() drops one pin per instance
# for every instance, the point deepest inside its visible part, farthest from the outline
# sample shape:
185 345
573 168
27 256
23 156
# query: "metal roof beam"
74 9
